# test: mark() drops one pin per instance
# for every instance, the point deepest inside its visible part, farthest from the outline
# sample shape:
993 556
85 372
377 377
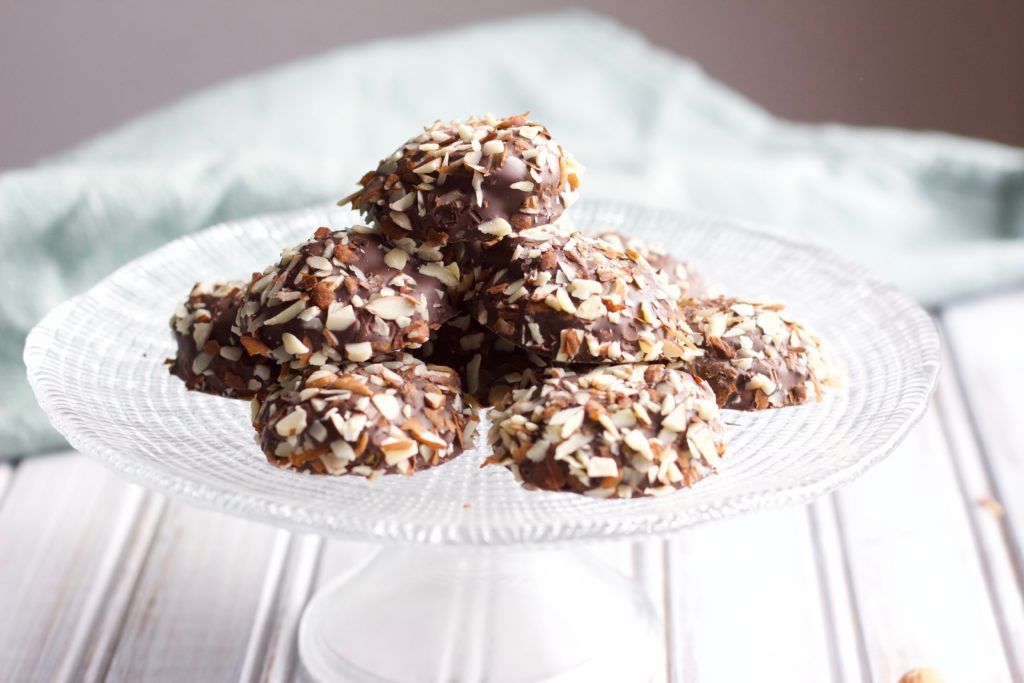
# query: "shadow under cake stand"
477 578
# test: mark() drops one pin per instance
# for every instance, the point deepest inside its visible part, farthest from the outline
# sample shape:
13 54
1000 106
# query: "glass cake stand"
468 555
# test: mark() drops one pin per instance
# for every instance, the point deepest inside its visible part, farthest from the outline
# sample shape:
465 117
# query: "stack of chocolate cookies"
369 350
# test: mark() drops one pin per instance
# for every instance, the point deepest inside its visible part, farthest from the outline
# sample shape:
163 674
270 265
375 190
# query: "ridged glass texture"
96 364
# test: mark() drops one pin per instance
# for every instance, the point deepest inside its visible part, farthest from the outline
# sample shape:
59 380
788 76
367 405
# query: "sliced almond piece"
339 317
564 302
762 382
498 227
404 202
391 307
493 147
291 424
529 132
428 168
701 443
636 440
201 334
602 467
387 405
351 428
397 450
591 309
677 420
358 352
287 314
318 263
437 270
396 258
424 436
293 344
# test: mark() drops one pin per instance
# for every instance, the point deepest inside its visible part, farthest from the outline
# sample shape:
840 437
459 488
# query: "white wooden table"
920 562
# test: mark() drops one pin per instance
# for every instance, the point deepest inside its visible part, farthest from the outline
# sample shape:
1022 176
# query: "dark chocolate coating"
610 431
210 357
393 417
487 364
466 181
755 355
343 296
570 298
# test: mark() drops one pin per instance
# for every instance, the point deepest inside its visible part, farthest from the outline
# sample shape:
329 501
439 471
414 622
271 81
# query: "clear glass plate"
96 364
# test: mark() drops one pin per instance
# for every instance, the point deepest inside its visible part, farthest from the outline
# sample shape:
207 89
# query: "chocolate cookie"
682 274
470 180
614 431
210 357
756 355
345 295
393 417
570 298
487 364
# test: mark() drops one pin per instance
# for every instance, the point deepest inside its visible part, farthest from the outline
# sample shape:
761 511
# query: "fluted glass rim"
46 361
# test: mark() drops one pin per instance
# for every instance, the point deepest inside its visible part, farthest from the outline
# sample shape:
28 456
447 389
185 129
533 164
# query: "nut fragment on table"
922 675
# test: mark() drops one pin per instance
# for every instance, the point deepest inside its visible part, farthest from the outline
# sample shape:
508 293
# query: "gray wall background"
72 68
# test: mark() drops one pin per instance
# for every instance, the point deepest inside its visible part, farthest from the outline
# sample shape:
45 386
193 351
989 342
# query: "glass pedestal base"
445 616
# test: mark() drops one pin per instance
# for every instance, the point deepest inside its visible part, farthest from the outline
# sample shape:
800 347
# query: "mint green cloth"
942 216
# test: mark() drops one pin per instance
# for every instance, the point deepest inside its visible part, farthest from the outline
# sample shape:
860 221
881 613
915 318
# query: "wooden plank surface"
983 425
192 612
278 663
746 601
982 337
63 525
647 567
917 563
918 584
848 653
987 519
97 638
